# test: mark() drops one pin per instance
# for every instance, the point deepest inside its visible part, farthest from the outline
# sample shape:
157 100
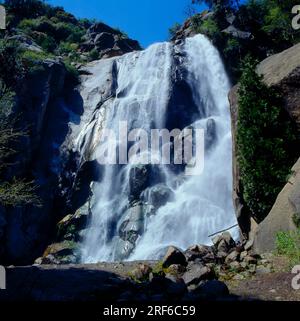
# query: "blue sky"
147 21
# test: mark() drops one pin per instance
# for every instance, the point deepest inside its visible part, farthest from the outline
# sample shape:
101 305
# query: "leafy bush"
67 48
296 219
288 244
33 57
18 192
29 24
56 31
268 22
47 43
11 68
32 61
13 192
266 142
94 54
209 27
7 100
174 29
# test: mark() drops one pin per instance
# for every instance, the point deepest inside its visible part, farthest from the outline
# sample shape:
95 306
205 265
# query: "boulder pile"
200 271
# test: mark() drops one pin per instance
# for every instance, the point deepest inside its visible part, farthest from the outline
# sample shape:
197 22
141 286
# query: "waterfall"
139 210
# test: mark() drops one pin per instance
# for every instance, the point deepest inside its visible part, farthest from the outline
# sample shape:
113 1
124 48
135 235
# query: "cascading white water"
200 205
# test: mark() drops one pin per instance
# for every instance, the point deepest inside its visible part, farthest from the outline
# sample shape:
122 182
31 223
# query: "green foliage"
94 54
47 43
174 29
277 25
7 100
10 67
288 244
32 61
210 28
266 142
18 192
268 22
54 32
296 219
13 192
160 270
66 48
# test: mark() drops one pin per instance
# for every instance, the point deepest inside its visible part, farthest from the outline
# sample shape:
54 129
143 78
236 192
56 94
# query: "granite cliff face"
47 101
25 230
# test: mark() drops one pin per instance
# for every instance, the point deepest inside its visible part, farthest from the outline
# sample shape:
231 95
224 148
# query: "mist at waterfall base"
164 86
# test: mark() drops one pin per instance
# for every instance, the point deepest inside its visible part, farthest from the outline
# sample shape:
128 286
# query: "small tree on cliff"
266 142
13 191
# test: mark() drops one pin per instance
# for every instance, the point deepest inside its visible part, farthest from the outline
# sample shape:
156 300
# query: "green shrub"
296 219
266 142
33 57
209 27
11 69
32 61
66 48
47 43
174 29
18 192
7 100
29 24
94 54
288 244
14 192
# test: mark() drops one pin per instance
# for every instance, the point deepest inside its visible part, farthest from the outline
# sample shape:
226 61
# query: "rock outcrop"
283 216
108 42
47 105
39 101
194 275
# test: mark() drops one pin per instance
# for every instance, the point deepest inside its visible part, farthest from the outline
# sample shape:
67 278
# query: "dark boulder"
196 273
173 256
211 290
138 180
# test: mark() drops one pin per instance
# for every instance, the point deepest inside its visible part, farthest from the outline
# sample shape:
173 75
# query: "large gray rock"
282 216
133 224
138 180
237 33
196 273
69 227
26 43
159 195
282 71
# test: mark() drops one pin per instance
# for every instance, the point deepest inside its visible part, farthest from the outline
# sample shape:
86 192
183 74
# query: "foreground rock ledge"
105 282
